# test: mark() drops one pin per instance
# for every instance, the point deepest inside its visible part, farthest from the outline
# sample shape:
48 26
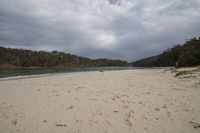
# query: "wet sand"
127 101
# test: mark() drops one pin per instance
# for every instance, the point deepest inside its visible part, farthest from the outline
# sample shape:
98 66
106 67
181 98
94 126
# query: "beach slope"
127 101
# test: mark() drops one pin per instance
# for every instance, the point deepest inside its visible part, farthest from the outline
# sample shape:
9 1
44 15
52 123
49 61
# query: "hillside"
184 55
26 58
149 61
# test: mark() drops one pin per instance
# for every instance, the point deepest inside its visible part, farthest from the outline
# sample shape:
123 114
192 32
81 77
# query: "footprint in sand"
93 99
70 107
128 120
57 95
148 93
61 125
116 97
157 109
146 118
140 102
125 106
195 125
164 106
14 122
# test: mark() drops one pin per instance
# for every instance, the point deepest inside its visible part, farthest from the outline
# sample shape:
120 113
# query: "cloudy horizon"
116 29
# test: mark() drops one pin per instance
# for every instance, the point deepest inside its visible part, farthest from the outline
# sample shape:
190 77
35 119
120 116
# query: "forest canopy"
184 55
26 58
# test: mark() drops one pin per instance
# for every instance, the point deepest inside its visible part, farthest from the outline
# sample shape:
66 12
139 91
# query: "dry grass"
186 72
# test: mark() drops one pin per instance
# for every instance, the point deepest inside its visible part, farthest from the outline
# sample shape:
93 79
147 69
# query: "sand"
127 101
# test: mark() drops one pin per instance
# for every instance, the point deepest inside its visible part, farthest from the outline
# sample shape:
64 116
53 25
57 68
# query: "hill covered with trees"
184 55
26 58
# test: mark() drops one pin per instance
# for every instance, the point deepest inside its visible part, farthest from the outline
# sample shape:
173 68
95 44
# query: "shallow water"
35 71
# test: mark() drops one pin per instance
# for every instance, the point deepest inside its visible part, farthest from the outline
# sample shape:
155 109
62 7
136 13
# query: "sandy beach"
126 101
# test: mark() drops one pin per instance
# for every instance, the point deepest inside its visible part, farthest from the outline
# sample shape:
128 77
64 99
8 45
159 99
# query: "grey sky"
117 29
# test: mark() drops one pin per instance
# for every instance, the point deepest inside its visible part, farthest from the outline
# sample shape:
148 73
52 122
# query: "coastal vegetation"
184 55
10 57
186 72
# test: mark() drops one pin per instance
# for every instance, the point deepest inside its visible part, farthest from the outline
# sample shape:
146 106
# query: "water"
36 71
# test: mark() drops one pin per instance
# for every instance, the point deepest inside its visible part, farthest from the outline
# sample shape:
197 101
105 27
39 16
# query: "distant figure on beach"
177 64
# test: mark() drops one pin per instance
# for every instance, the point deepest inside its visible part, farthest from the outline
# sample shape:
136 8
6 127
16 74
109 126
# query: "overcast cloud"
117 29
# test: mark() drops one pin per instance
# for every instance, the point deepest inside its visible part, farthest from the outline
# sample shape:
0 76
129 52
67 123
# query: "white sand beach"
126 101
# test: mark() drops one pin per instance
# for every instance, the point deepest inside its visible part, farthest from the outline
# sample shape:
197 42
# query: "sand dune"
128 101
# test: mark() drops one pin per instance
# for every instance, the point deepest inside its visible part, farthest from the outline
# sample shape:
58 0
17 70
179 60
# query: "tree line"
184 55
10 57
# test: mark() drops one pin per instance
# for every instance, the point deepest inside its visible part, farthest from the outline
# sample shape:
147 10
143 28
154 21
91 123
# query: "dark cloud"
114 1
118 29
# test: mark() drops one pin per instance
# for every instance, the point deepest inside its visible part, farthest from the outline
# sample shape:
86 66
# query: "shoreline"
76 72
65 72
